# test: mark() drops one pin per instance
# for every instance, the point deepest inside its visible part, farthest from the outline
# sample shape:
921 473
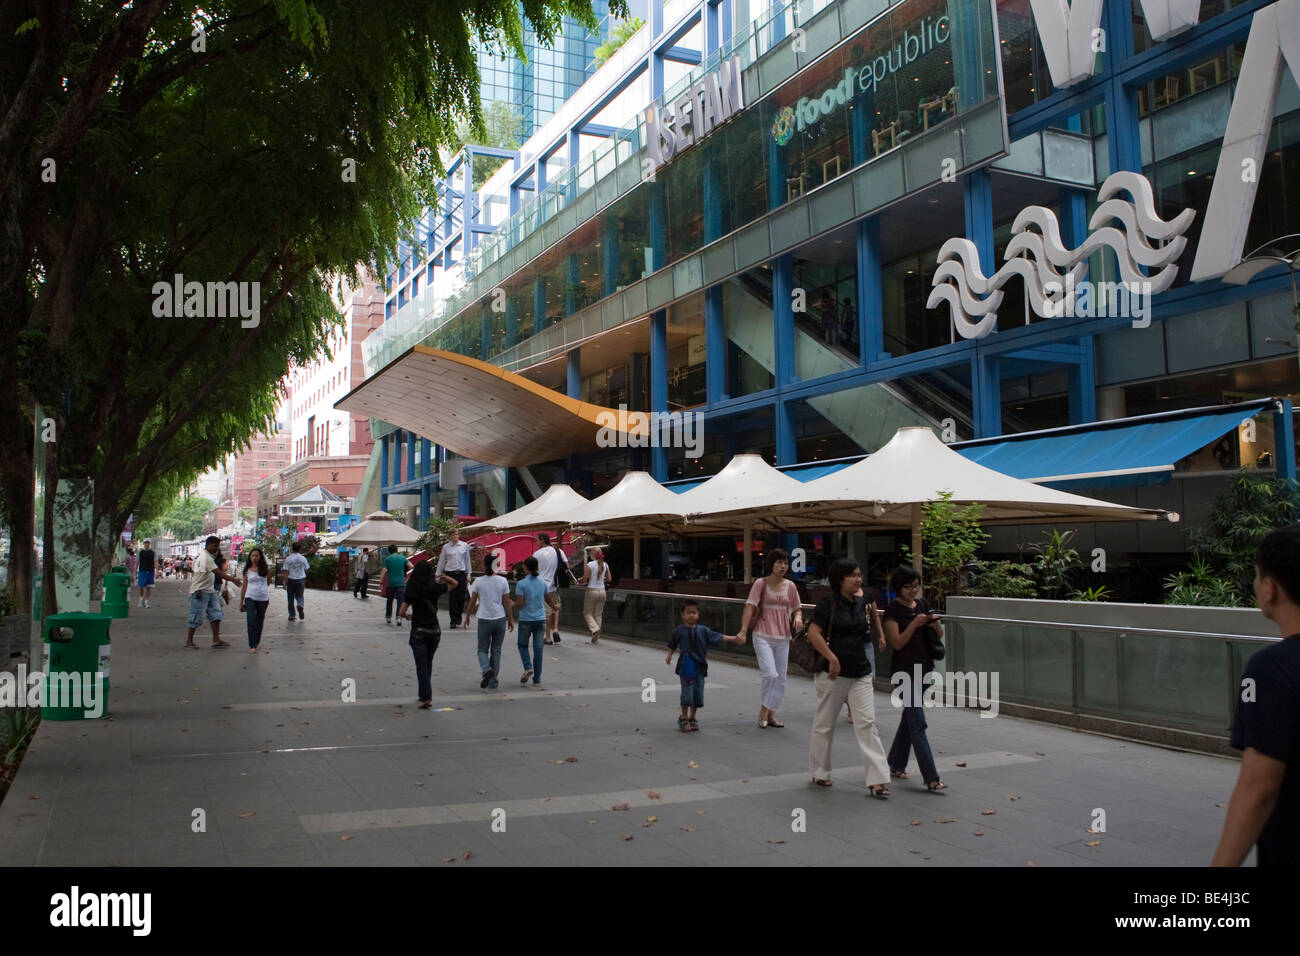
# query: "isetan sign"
695 114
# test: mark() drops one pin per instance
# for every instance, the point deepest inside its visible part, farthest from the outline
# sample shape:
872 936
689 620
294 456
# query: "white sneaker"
146 603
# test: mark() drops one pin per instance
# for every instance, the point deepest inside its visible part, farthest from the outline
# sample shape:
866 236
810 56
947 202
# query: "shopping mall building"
813 223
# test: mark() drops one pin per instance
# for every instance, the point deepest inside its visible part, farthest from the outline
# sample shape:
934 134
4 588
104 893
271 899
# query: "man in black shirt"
144 572
1265 805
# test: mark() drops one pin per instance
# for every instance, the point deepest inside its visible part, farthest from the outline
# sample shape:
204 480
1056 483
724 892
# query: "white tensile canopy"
379 528
553 508
888 489
636 504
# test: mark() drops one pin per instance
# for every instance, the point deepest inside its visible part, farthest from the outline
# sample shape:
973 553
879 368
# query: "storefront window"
686 354
826 328
751 346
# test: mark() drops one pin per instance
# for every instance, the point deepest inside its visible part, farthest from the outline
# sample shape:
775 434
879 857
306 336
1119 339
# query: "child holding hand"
694 641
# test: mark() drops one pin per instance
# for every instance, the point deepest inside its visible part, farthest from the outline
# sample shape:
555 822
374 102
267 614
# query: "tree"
502 127
183 520
951 536
263 143
622 33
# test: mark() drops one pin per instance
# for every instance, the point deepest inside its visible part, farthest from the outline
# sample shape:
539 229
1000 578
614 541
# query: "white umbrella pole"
916 537
636 554
749 547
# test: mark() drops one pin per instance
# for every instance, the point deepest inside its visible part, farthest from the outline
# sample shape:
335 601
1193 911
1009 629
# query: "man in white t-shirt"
453 560
204 599
548 563
295 582
490 596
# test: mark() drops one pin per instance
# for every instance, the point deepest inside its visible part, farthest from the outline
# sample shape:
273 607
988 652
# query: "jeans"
537 631
255 614
491 635
293 591
692 691
911 736
397 594
423 649
204 603
457 599
363 583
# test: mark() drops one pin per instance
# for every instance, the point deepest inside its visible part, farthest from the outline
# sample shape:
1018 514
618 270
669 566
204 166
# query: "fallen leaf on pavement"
653 794
466 855
246 814
987 813
1092 843
694 765
619 806
570 759
1013 796
961 764
626 838
346 836
915 823
949 820
650 821
448 859
978 833
775 841
686 829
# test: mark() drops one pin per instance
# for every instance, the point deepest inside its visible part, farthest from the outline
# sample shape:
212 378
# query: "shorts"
201 602
553 599
693 691
145 579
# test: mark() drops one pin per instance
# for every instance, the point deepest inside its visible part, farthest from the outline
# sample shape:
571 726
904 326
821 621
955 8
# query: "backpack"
563 576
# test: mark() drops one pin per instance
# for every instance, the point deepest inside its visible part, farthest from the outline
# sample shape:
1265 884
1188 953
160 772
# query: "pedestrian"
1265 805
203 594
594 578
549 559
187 567
255 596
694 641
131 566
420 607
395 568
530 602
361 587
849 321
773 604
454 560
840 630
295 583
907 622
146 564
488 595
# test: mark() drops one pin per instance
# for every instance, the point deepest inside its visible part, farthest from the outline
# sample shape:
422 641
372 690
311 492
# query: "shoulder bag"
934 642
753 621
563 576
802 651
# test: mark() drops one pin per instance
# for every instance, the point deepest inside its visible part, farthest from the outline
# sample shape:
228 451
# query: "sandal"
934 786
822 783
693 724
216 644
899 774
773 722
191 646
762 724
879 791
683 724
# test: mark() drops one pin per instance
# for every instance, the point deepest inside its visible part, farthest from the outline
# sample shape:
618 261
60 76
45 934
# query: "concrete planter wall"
1247 622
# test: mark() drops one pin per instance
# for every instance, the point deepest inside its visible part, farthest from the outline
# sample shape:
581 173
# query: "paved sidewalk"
263 750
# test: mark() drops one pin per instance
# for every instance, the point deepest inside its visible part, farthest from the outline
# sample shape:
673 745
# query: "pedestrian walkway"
215 757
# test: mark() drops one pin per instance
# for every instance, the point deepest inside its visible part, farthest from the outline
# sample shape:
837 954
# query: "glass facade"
776 274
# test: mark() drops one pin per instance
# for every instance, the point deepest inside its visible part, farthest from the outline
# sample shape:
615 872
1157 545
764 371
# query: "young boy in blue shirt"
694 641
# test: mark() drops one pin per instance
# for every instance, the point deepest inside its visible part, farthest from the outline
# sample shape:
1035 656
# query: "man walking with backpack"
552 568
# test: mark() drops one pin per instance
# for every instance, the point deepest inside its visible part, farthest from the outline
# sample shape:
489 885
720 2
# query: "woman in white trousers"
842 630
772 604
594 578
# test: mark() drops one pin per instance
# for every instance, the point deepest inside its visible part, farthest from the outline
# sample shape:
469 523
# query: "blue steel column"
1122 140
539 304
609 254
423 522
659 385
397 457
1082 374
512 321
410 456
715 347
464 501
871 300
573 374
783 318
383 463
426 458
1284 442
986 384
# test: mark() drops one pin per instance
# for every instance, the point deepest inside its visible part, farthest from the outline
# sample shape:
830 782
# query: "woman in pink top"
772 602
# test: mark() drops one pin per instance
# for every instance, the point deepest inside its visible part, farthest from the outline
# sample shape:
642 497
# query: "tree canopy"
272 145
622 33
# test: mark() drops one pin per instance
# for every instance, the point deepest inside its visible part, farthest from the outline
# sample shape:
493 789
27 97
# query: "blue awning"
1138 453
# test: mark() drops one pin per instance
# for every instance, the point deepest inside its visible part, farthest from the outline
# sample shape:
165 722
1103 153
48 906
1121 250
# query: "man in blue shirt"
397 566
295 584
530 602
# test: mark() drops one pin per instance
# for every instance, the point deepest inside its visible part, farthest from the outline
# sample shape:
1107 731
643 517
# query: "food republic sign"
695 114
929 35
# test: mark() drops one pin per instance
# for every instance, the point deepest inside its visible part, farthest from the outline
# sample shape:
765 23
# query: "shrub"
1004 579
322 571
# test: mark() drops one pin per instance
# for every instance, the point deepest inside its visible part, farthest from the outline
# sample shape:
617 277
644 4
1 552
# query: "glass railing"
1183 680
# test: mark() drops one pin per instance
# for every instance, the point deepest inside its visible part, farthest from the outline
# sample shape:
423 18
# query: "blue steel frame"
1064 342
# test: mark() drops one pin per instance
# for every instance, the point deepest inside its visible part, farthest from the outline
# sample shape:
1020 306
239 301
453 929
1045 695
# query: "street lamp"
1266 257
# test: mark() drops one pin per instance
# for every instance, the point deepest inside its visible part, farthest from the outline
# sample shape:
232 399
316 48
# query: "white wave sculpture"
1052 272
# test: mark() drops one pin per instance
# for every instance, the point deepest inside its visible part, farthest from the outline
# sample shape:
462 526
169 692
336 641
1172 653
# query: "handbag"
802 651
935 643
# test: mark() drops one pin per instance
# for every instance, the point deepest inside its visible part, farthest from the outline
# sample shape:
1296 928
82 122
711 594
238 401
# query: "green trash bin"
77 659
117 595
118 569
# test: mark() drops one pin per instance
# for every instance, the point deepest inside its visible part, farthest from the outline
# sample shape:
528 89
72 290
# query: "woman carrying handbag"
841 630
772 603
915 634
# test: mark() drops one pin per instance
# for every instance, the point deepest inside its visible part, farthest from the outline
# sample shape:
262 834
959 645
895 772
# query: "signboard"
693 115
305 528
236 543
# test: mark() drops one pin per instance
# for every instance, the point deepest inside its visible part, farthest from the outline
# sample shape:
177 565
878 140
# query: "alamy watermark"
625 429
73 690
210 300
1098 300
951 689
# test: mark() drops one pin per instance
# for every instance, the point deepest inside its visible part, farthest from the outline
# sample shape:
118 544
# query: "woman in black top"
841 630
906 622
420 607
